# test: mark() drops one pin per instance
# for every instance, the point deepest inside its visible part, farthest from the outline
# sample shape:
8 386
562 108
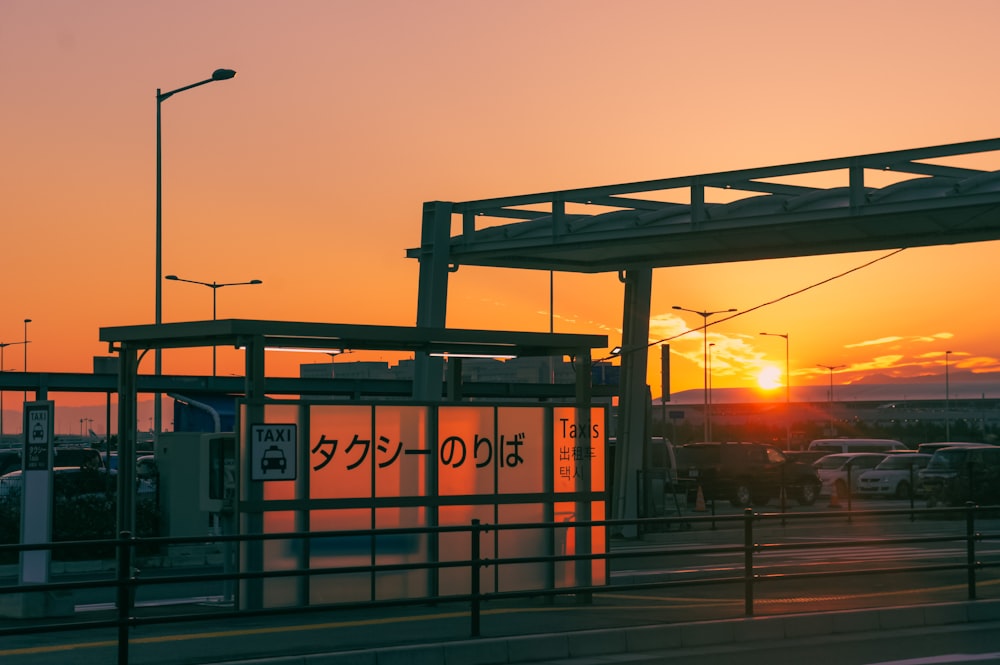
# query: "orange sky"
309 169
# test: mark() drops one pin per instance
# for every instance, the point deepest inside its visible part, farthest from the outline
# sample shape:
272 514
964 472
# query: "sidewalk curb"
629 644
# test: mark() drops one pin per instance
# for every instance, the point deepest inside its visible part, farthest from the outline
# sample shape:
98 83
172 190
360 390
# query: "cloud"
936 337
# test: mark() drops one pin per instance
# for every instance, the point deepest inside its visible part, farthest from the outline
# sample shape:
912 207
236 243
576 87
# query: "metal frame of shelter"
906 198
255 336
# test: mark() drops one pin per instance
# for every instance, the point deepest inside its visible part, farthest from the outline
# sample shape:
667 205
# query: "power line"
766 304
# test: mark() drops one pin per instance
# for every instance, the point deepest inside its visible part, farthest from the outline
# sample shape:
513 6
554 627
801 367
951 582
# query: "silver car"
835 470
896 476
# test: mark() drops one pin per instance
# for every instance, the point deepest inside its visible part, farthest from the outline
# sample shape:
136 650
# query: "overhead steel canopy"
339 336
639 225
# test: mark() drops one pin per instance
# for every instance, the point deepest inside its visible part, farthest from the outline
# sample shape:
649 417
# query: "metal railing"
738 534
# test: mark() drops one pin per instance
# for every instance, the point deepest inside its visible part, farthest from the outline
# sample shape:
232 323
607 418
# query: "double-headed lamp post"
26 322
831 368
947 399
704 315
217 75
788 395
215 286
4 345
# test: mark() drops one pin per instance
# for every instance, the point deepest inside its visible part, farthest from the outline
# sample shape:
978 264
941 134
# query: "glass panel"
401 451
522 449
280 555
466 451
340 452
340 551
396 548
456 547
523 543
579 455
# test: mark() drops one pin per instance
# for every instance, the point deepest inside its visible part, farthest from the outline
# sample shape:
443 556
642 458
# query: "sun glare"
769 378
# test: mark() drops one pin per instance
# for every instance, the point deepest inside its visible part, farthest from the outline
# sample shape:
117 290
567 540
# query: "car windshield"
948 459
697 455
896 462
830 462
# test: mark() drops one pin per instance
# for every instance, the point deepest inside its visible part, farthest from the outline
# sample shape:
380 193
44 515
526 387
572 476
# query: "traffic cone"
699 502
834 497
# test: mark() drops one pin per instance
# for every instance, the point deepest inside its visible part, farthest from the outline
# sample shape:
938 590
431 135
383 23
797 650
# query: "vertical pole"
432 293
124 592
970 548
748 574
26 322
215 291
158 357
584 482
947 399
788 398
704 363
474 591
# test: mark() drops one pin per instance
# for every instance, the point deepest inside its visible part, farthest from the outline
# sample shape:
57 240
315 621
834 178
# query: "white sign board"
272 452
36 489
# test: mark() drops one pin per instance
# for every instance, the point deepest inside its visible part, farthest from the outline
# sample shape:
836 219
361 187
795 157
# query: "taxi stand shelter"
430 346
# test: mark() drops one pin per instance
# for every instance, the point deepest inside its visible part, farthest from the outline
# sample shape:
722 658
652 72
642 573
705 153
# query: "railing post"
970 547
748 561
913 489
474 566
124 593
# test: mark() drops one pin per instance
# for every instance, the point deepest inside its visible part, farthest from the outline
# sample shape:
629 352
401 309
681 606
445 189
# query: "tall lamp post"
711 348
215 286
217 75
704 315
788 394
947 399
26 322
4 345
831 368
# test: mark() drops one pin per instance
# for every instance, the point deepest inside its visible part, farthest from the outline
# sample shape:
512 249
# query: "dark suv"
957 474
745 473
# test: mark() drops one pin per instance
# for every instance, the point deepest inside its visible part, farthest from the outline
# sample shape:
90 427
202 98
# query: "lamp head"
256 281
173 277
223 74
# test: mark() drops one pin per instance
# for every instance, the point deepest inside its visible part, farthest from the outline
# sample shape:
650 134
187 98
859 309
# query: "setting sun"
769 377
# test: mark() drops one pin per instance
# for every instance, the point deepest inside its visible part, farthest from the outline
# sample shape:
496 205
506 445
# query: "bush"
90 516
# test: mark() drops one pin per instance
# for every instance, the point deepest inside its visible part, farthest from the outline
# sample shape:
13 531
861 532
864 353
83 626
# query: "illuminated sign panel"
385 466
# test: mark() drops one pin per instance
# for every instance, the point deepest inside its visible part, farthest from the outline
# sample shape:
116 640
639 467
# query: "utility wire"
765 304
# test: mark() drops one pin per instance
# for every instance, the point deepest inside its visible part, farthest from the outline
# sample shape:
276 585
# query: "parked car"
68 481
856 445
932 447
840 473
896 476
957 474
745 473
10 460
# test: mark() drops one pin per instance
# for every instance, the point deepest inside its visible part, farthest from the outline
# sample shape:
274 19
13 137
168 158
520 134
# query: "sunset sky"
308 170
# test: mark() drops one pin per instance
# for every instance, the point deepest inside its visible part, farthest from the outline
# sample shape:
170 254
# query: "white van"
856 445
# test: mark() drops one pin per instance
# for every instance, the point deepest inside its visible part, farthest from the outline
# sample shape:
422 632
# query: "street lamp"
26 322
217 75
215 286
947 399
704 315
788 387
4 345
711 348
831 368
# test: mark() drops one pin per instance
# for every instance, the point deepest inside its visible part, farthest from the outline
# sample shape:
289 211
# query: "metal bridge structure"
938 195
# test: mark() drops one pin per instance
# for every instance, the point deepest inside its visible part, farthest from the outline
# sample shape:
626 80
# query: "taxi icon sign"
273 458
